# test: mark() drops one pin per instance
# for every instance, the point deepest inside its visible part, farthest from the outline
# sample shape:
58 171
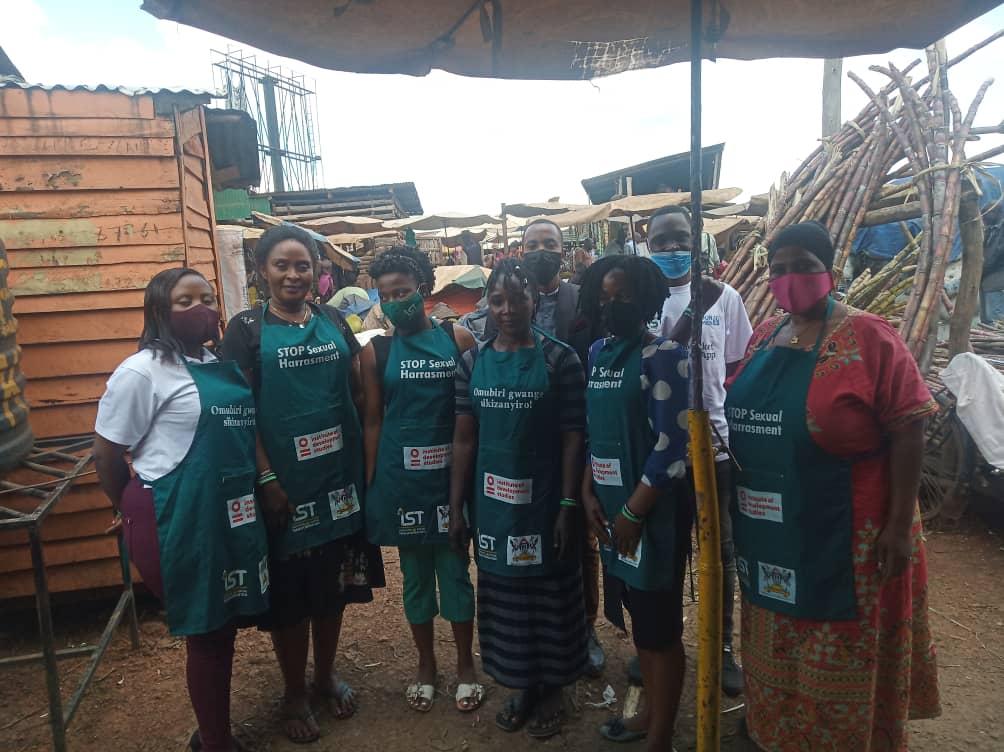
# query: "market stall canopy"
559 39
439 221
338 256
453 237
326 225
648 203
542 208
471 276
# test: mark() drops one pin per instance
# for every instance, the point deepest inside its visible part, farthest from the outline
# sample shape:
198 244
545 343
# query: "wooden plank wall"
98 192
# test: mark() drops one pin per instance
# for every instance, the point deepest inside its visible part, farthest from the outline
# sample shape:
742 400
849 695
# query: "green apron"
213 547
409 501
792 515
310 430
517 482
620 440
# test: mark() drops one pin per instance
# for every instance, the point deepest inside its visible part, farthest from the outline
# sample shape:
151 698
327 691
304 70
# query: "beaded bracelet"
265 478
569 503
630 516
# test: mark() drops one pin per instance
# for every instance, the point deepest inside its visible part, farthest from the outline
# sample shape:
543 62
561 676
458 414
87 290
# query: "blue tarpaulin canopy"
885 241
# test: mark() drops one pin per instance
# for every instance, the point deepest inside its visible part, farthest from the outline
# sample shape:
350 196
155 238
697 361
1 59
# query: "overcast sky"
470 144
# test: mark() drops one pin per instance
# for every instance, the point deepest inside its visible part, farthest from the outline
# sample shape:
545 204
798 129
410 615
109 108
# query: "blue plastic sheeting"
885 241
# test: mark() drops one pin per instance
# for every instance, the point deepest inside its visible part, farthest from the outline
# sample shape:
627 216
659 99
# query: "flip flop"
515 712
420 697
341 695
546 727
614 730
469 697
304 716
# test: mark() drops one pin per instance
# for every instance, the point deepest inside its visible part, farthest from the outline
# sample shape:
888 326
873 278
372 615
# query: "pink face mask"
798 293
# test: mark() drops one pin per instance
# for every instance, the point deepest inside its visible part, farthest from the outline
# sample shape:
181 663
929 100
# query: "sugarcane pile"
910 132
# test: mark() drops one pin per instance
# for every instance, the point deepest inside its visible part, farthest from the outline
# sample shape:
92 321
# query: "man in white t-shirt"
726 334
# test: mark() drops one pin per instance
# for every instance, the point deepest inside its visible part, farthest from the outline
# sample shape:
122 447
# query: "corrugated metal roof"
130 91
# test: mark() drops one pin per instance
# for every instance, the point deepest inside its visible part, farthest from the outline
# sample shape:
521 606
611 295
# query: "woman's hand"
565 532
895 548
276 505
627 535
116 527
595 519
460 535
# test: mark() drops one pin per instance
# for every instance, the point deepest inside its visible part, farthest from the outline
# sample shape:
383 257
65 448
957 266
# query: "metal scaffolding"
284 105
65 460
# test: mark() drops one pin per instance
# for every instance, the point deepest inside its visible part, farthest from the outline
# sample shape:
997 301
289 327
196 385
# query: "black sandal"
515 711
547 727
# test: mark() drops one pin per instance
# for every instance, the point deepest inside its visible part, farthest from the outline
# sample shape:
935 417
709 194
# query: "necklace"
301 323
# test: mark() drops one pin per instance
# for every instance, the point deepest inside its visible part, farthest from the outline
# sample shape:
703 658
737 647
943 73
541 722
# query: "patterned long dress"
850 686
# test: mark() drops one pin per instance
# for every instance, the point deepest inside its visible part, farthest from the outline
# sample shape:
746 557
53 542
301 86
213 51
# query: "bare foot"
298 721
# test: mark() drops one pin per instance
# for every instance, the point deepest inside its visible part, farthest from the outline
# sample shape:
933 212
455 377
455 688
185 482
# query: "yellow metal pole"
709 573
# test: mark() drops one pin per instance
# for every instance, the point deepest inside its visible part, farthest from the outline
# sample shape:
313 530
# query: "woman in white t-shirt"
189 516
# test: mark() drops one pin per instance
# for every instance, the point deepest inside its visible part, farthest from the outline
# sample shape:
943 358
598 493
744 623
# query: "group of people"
547 439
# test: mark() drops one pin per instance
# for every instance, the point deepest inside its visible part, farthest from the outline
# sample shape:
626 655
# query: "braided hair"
511 267
402 259
644 281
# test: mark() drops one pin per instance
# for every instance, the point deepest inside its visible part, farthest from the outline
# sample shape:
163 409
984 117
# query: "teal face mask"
404 314
673 265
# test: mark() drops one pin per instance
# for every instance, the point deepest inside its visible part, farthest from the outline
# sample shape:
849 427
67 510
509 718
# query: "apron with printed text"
792 515
311 432
409 501
213 545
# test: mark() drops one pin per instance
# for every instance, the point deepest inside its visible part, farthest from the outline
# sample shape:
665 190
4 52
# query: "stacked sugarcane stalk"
912 130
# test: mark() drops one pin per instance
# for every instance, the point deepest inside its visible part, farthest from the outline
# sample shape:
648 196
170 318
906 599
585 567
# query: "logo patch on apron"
344 502
607 472
486 546
760 505
304 517
635 559
777 582
233 584
263 573
318 444
508 490
411 523
241 511
443 518
743 570
523 551
428 457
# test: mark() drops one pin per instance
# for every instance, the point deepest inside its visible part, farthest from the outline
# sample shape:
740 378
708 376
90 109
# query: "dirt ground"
139 702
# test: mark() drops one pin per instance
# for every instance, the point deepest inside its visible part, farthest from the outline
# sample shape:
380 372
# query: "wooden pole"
709 607
833 67
967 301
505 231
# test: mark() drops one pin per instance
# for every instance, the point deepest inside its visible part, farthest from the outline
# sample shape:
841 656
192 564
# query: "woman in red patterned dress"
826 419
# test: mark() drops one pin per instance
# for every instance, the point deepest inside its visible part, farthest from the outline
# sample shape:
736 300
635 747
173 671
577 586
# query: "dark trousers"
723 482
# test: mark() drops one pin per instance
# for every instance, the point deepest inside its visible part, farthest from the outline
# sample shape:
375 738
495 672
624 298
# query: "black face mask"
542 265
622 318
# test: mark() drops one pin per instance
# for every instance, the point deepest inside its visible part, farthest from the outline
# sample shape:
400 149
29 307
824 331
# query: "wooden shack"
100 189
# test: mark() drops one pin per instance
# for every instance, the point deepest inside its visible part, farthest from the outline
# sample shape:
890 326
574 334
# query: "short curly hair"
402 259
275 235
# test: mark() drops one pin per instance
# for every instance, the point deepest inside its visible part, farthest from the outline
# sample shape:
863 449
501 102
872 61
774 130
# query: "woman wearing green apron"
408 382
189 517
633 493
826 419
302 362
517 463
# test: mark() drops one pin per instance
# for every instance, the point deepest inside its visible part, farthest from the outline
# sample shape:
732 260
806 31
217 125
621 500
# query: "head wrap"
809 236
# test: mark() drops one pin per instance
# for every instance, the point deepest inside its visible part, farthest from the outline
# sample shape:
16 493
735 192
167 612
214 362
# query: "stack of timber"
100 189
910 132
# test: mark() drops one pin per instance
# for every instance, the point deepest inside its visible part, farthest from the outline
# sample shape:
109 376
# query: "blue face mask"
673 265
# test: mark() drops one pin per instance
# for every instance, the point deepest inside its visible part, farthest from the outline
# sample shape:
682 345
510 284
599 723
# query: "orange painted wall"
98 192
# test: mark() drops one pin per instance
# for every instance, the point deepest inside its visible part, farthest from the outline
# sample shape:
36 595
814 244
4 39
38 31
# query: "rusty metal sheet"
46 103
86 575
63 420
156 229
103 146
81 326
87 126
74 204
75 358
86 173
50 281
17 559
67 390
60 257
106 300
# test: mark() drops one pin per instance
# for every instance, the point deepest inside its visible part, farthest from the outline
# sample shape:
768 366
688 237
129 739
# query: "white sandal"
420 697
469 697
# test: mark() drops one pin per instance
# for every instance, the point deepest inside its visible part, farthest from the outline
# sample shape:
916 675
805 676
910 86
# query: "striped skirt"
532 629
